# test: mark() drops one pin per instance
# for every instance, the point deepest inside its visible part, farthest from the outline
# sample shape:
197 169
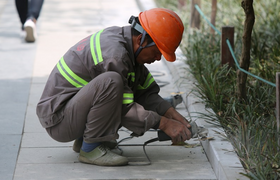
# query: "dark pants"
94 113
28 9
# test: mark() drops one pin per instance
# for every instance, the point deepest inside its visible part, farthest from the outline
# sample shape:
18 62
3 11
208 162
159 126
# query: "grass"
250 124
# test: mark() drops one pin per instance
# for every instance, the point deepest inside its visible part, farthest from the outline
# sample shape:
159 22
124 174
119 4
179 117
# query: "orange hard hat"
165 28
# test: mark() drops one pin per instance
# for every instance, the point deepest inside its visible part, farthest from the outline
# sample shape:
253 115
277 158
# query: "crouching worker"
101 84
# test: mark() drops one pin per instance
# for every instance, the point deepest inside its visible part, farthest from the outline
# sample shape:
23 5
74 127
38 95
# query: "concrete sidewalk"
27 152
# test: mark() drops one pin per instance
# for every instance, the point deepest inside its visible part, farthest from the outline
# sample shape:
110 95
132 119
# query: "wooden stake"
213 15
226 57
195 16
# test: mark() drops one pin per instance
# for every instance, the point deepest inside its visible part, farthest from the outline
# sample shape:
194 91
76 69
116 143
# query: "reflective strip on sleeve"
132 75
147 83
69 75
95 48
128 98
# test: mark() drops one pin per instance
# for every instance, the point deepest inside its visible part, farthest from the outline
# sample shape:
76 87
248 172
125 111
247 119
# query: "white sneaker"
30 29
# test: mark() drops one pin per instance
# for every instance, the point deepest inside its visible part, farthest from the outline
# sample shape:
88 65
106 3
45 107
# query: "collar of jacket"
128 37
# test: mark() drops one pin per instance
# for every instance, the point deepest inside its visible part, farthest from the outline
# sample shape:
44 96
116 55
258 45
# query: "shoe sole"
29 34
83 159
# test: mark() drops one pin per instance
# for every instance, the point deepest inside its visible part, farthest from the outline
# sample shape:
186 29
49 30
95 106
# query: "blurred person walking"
29 11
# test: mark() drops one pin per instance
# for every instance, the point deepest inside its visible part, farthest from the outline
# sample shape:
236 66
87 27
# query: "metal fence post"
226 57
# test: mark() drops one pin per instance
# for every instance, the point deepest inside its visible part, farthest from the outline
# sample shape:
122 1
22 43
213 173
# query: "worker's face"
149 55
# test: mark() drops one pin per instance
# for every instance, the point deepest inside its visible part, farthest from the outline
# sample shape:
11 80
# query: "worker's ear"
138 39
137 42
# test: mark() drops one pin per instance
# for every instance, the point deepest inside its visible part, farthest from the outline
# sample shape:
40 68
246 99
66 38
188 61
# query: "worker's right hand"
176 130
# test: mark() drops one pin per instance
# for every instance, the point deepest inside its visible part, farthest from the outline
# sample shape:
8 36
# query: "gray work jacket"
107 50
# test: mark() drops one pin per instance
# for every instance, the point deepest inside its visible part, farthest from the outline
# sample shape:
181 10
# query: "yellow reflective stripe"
132 74
128 98
149 80
95 48
92 49
98 47
69 75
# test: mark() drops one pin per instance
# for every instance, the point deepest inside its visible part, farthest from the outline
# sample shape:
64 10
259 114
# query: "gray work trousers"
94 113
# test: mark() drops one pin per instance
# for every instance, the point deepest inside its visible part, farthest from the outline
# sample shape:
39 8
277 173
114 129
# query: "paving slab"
9 148
29 153
16 58
53 162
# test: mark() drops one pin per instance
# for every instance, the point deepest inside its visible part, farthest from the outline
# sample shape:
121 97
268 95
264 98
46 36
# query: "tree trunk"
195 16
213 15
181 4
247 5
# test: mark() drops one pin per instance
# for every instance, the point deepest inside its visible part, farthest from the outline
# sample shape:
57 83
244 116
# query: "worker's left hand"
173 114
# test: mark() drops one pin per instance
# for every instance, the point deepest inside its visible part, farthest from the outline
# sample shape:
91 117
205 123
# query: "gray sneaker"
102 156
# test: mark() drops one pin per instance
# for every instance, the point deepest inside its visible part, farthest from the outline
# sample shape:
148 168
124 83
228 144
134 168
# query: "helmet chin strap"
141 47
140 29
